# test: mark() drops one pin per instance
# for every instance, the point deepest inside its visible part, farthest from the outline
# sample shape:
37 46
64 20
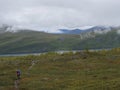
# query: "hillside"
27 41
69 71
32 41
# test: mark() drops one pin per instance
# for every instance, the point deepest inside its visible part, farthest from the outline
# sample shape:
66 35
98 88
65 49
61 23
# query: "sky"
52 14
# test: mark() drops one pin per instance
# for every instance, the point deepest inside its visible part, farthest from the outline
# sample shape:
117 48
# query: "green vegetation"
36 42
68 71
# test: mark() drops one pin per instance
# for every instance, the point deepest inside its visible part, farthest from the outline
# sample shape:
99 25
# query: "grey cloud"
60 13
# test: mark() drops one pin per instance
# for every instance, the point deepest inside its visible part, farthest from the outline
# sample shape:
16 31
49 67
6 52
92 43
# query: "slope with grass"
33 42
27 41
69 71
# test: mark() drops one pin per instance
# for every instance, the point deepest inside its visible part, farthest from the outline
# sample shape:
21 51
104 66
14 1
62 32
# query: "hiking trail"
17 82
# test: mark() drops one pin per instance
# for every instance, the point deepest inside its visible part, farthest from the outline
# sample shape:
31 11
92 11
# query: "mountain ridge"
14 29
30 41
37 42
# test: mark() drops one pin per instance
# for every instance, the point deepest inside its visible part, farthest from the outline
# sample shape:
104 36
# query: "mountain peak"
97 29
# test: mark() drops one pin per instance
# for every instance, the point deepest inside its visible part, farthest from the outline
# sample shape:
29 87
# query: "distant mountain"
31 41
96 29
74 31
28 41
99 28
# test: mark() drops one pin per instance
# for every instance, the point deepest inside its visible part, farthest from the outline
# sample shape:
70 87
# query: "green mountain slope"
33 42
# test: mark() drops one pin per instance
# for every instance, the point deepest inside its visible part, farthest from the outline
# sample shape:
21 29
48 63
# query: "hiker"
18 74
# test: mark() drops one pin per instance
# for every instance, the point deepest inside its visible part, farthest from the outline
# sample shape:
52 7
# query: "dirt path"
33 63
16 84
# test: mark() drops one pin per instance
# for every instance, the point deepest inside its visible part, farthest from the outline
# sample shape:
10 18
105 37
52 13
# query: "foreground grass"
68 71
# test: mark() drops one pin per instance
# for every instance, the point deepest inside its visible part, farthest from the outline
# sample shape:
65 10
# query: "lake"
60 52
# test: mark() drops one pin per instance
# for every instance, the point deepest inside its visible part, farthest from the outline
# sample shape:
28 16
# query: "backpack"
18 73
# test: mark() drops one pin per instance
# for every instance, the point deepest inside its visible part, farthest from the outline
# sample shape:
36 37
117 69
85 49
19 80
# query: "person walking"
18 72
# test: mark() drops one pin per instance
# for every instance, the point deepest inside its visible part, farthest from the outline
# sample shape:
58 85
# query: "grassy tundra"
69 71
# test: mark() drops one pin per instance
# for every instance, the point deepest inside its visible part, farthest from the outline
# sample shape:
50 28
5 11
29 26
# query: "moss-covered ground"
68 71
